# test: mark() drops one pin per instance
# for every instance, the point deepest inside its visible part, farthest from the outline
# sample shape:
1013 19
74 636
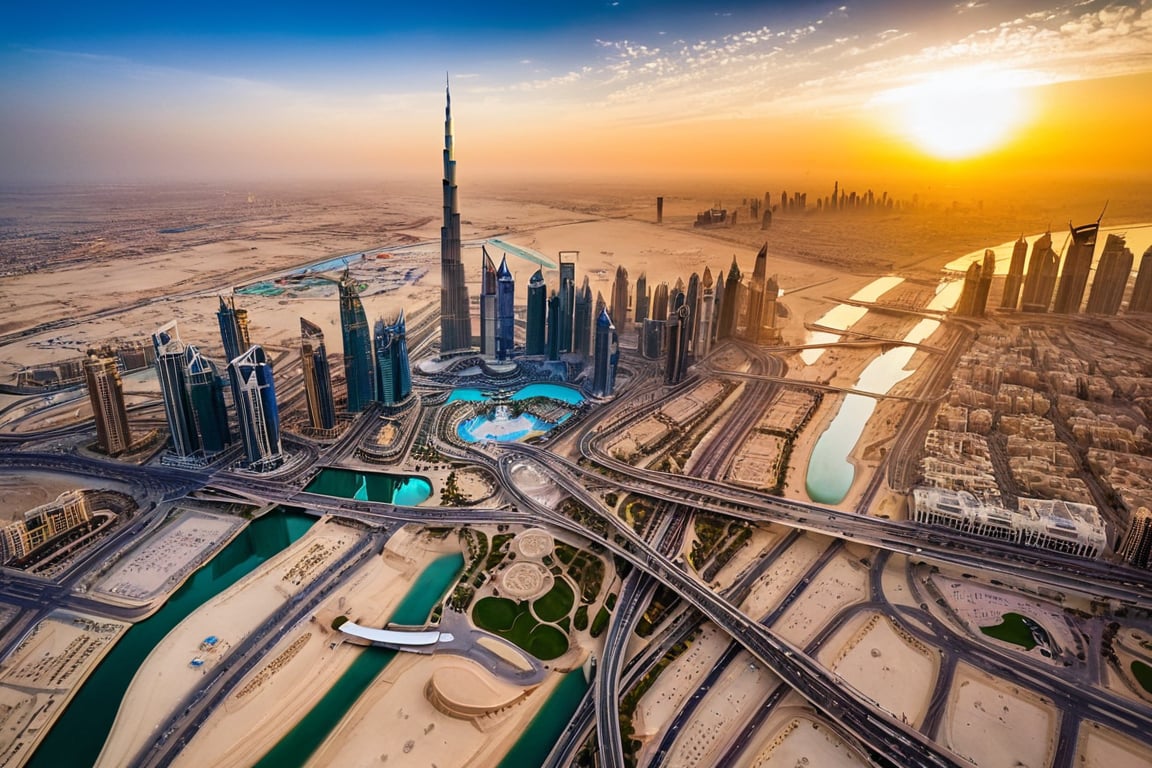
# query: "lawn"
1143 674
556 604
515 623
495 614
1012 629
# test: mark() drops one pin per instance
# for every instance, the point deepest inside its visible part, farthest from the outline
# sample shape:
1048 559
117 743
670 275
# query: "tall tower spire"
455 324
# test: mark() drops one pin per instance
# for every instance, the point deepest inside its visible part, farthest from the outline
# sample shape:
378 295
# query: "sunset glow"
962 113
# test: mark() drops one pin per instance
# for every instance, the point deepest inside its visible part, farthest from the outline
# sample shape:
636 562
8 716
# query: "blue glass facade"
255 394
536 332
505 311
358 368
393 375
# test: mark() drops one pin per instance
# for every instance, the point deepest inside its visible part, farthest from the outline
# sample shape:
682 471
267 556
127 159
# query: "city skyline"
140 93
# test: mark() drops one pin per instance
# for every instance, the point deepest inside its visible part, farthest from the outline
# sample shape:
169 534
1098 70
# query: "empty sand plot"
782 574
801 740
722 712
840 583
38 679
886 664
162 562
996 724
396 722
1100 747
679 680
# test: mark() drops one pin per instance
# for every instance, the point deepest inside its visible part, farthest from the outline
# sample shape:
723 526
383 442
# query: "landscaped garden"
514 621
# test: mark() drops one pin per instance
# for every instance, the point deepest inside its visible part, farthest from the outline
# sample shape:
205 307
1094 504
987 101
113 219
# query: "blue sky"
123 90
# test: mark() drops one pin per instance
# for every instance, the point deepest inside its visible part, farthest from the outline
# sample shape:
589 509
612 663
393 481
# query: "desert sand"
996 724
303 666
795 737
39 678
395 722
168 674
885 663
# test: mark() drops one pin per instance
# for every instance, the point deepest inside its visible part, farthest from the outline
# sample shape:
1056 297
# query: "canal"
80 732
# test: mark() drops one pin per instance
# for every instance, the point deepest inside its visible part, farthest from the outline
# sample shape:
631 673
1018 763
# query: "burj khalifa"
455 325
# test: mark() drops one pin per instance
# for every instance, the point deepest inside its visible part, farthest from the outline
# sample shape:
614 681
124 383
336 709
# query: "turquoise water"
830 473
304 739
79 734
554 391
480 428
404 490
533 746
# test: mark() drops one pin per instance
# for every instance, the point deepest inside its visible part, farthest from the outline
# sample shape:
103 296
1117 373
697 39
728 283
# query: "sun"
960 113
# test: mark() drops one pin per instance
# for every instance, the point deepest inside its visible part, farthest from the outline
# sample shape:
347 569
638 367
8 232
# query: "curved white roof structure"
396 637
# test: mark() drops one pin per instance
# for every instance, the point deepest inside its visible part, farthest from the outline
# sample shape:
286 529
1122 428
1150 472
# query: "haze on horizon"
617 90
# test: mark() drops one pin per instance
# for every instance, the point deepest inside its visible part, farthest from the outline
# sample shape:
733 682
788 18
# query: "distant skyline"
258 91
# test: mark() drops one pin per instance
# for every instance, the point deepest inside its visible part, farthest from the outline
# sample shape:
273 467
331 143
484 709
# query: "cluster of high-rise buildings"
683 322
1065 286
193 389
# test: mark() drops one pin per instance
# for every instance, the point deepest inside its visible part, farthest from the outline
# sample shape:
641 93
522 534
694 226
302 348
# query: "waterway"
544 731
307 736
553 391
844 316
79 734
830 472
403 490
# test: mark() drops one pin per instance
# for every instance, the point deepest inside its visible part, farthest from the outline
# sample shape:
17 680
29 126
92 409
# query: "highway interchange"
654 556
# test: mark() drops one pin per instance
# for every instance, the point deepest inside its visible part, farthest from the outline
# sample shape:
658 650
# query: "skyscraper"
756 296
677 342
967 298
620 298
977 283
1015 279
455 324
171 370
206 393
554 326
106 393
719 307
358 369
582 321
692 301
233 328
1137 547
984 285
1111 277
317 376
487 305
652 332
1141 300
660 302
505 311
1041 278
769 333
256 409
729 316
536 336
643 300
393 375
606 356
703 343
567 302
1074 275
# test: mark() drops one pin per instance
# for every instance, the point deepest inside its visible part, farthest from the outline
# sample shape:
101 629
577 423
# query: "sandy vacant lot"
996 724
39 678
794 737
